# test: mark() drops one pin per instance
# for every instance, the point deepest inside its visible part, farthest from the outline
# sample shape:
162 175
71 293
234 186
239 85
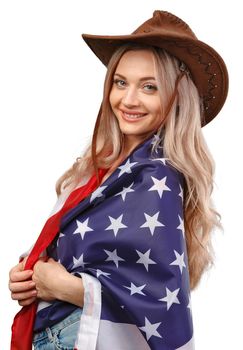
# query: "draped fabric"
127 243
22 327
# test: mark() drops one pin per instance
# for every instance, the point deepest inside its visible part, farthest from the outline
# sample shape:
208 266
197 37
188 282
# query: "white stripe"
126 337
23 255
65 193
96 334
120 336
59 203
42 305
90 317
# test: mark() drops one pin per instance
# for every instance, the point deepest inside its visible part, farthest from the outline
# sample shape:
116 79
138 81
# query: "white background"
50 91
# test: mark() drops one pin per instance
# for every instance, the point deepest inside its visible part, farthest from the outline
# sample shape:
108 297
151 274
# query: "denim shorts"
61 336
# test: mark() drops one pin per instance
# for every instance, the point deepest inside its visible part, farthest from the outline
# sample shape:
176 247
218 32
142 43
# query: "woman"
130 235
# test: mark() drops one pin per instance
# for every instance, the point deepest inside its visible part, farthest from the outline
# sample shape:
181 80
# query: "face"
134 96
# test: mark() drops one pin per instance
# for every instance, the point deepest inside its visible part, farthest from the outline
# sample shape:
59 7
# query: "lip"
132 113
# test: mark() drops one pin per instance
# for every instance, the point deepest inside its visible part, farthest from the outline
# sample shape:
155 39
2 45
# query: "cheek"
157 116
113 98
156 110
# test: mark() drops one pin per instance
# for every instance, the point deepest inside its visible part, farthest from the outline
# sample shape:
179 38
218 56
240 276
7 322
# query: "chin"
143 134
130 130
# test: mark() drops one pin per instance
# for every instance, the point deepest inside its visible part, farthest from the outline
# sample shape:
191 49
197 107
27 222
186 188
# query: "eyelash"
117 81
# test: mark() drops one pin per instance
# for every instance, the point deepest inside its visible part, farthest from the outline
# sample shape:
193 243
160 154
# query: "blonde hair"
183 144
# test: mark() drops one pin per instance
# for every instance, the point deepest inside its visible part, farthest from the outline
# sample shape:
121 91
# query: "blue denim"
61 336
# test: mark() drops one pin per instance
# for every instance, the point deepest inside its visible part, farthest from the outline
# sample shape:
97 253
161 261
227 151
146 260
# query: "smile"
132 117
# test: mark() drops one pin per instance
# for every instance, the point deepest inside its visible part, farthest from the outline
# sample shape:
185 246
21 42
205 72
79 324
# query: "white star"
82 228
189 306
126 168
181 192
124 192
152 222
135 289
179 260
60 236
162 160
79 262
144 259
171 297
97 193
150 329
112 256
155 139
159 185
181 226
102 273
116 224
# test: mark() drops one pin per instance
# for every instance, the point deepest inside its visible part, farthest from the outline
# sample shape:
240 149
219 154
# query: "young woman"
130 235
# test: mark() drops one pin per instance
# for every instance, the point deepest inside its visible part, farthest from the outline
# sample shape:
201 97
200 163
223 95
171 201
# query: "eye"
119 82
150 87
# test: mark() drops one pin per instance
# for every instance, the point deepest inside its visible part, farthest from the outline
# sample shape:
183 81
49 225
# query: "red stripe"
22 328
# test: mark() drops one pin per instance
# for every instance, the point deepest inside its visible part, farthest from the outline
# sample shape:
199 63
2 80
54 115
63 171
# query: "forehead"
136 61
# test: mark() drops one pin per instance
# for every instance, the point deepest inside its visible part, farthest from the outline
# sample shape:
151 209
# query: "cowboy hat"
165 30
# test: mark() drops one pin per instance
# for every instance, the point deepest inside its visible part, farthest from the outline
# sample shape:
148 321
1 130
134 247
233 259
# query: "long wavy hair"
183 144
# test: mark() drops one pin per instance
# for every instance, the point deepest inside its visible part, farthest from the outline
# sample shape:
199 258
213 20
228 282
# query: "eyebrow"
142 79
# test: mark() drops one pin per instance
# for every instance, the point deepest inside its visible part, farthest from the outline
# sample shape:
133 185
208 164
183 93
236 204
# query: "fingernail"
32 284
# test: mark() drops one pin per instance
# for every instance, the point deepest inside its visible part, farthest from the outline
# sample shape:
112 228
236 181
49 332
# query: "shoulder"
160 168
148 166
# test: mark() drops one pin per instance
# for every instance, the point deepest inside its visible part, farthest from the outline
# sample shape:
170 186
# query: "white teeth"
133 116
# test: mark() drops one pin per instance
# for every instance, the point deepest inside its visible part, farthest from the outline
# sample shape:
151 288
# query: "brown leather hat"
169 32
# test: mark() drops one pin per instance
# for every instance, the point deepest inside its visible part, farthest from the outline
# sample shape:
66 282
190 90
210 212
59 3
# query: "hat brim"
206 66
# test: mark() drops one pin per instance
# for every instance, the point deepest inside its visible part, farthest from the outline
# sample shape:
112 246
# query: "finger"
24 295
19 276
17 287
17 267
23 262
26 302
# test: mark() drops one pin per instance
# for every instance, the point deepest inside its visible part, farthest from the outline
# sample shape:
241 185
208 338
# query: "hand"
21 285
48 278
53 281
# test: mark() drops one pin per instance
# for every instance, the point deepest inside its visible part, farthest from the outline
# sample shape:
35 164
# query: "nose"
130 97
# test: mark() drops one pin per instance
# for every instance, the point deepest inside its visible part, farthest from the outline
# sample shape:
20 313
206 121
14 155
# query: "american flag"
128 244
